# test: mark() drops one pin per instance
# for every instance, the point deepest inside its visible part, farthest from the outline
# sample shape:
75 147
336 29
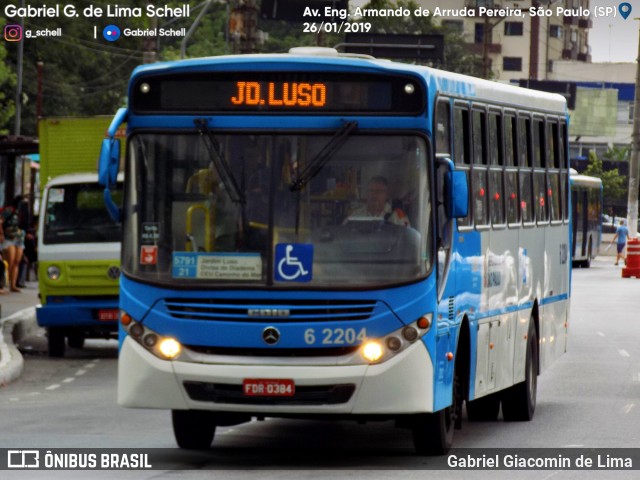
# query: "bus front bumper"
401 385
80 312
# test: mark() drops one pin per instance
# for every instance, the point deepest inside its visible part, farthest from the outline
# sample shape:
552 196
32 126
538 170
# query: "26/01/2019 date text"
336 27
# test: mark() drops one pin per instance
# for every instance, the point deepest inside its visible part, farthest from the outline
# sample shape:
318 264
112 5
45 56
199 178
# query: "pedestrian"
622 234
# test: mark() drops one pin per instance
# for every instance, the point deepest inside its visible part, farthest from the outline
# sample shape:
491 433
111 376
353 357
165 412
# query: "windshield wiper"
223 169
323 156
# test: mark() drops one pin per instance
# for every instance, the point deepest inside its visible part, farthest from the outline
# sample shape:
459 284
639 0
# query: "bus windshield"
216 209
75 213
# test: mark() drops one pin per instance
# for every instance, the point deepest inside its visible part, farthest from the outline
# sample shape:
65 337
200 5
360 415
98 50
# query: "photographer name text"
93 11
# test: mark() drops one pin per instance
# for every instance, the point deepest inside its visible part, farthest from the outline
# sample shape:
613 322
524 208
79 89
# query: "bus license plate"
107 315
267 387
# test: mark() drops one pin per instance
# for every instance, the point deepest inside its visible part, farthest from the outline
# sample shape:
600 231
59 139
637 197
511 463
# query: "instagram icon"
13 33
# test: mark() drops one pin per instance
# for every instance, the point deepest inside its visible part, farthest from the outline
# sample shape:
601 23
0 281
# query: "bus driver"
378 204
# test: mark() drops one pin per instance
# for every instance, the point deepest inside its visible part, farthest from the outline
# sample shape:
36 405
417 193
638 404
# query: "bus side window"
511 174
442 128
540 192
461 151
496 170
525 181
479 170
511 187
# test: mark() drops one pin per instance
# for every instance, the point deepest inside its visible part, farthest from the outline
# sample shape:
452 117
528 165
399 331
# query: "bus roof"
437 81
586 181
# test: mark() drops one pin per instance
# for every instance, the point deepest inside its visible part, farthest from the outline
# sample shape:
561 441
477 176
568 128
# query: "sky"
615 39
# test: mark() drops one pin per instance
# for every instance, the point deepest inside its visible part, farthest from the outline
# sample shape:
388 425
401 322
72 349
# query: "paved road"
589 398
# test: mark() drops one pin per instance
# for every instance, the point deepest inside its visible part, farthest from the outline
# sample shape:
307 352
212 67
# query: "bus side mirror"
109 162
457 194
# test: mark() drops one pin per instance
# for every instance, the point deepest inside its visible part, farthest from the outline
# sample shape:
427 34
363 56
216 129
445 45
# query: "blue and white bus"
586 218
260 279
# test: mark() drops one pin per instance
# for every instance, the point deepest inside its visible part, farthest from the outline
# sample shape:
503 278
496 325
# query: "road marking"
53 387
551 475
80 372
89 365
68 380
33 394
624 353
601 334
627 408
577 445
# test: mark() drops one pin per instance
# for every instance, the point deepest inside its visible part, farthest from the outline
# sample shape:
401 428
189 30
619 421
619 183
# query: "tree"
7 89
613 184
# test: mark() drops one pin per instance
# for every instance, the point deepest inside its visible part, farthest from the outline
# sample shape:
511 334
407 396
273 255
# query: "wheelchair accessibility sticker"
294 262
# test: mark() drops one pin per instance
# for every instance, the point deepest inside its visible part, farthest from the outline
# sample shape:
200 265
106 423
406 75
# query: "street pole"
632 201
18 119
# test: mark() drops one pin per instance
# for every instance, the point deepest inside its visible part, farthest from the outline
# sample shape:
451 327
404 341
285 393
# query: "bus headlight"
381 349
169 347
165 348
53 272
372 351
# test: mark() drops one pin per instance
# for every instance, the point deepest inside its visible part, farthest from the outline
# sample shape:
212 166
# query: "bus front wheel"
519 401
193 429
433 432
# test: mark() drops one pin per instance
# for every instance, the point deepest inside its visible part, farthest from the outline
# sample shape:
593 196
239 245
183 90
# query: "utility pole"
244 26
487 29
18 119
632 201
40 66
149 44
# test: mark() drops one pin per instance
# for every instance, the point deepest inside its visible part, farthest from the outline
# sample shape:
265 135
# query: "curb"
12 328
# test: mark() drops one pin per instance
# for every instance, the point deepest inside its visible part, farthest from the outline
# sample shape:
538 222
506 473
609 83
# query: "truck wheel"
76 340
55 338
193 429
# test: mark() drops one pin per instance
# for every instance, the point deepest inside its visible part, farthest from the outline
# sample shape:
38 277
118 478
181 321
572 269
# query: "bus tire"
519 401
433 432
76 340
484 409
193 429
55 340
587 262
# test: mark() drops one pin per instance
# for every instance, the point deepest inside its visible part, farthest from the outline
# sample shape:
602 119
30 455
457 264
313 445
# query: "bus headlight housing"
165 348
381 349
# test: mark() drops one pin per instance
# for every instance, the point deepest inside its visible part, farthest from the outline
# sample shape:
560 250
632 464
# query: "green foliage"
7 89
613 184
618 154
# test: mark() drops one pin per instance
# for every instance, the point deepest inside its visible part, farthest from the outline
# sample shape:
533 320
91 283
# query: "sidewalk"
17 314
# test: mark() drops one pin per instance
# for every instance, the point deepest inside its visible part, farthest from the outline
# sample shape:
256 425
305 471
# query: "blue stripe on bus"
524 306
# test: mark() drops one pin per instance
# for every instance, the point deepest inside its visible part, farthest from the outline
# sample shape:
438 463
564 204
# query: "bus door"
579 222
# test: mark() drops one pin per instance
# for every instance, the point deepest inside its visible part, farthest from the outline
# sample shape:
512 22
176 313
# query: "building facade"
518 39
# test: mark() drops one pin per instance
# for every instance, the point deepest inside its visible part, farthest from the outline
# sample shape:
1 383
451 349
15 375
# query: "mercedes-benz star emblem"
271 335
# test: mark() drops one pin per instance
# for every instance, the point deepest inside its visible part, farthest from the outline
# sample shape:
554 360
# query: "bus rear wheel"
519 401
193 429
